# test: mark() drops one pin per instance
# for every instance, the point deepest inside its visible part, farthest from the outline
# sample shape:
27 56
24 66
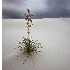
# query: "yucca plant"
28 46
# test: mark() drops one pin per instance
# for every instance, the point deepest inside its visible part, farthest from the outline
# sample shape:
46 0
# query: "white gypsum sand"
54 33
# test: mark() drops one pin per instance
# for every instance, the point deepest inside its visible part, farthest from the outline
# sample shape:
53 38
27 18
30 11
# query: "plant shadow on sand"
19 61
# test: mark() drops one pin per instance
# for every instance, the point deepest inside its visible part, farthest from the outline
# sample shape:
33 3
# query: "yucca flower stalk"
28 18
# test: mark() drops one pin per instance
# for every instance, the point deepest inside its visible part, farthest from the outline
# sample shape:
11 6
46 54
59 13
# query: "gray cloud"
11 14
46 9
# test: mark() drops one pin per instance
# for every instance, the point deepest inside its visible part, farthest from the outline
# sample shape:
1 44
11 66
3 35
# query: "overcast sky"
39 8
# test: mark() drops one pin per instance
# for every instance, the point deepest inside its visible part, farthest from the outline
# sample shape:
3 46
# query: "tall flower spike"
28 17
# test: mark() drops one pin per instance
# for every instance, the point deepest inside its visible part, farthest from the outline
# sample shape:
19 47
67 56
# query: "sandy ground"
53 33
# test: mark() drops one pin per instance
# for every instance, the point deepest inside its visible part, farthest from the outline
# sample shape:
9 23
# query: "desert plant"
28 46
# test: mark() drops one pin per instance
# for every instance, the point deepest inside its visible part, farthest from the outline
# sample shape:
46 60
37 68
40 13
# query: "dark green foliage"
29 46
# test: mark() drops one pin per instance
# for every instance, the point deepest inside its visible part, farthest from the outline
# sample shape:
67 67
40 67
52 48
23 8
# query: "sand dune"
54 33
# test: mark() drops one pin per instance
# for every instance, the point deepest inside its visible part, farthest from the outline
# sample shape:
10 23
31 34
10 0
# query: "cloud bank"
40 8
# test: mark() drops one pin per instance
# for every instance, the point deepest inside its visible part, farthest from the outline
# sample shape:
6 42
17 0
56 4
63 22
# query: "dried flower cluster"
28 18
